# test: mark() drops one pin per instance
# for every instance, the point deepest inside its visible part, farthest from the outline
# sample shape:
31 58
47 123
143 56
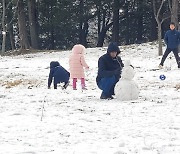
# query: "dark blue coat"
58 73
172 39
108 67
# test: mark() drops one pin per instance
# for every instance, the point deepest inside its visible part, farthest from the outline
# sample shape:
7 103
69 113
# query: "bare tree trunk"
83 24
153 28
82 38
127 37
4 27
173 6
160 38
115 33
50 27
99 16
157 16
11 37
102 34
85 33
103 27
52 35
10 25
174 15
33 23
140 22
24 42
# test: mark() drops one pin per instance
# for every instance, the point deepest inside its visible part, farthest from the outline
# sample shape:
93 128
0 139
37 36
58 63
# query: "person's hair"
172 23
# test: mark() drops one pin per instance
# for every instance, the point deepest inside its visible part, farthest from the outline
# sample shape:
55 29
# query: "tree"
140 7
82 27
24 42
59 22
104 21
10 28
160 18
173 6
64 23
33 23
4 27
153 28
115 32
86 13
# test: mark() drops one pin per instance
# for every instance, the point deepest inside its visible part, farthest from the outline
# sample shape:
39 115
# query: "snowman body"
127 89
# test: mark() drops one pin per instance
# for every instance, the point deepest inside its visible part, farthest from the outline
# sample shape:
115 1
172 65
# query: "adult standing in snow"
109 71
172 40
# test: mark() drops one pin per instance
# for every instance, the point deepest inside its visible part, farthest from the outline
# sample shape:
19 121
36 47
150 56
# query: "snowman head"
127 71
127 63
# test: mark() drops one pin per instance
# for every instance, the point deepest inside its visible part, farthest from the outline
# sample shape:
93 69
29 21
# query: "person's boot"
66 84
103 96
84 88
160 66
110 97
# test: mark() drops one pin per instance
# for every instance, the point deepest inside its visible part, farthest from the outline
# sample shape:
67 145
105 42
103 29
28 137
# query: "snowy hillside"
37 120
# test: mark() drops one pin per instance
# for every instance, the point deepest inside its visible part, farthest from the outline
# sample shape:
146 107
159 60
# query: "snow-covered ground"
37 120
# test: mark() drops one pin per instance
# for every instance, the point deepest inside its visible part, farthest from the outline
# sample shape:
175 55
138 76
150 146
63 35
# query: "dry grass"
10 84
177 86
27 83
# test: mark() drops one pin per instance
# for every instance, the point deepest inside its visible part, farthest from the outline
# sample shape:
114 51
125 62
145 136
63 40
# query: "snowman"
126 89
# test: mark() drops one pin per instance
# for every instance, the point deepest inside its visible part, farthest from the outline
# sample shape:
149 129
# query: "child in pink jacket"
77 64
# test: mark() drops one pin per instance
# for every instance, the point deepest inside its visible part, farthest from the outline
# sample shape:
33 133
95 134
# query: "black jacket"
172 39
108 67
58 73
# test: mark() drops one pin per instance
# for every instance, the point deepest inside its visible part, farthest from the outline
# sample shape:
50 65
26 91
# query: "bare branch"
170 7
165 18
9 4
14 13
155 11
162 2
154 8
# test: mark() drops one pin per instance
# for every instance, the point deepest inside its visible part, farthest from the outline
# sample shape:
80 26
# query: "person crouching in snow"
59 74
109 71
77 63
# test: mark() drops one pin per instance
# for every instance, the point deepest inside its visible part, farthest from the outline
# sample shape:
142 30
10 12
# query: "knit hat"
54 64
113 46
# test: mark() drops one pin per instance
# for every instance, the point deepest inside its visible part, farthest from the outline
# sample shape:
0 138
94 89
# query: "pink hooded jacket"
77 62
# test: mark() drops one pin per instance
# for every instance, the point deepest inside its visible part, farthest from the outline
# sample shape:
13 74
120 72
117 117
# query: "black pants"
167 52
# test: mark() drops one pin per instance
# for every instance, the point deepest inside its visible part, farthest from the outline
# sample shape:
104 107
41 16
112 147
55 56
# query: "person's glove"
87 68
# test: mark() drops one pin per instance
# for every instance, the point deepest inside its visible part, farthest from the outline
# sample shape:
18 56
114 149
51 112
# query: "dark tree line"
59 24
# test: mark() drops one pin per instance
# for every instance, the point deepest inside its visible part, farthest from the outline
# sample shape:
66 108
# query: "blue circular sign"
162 77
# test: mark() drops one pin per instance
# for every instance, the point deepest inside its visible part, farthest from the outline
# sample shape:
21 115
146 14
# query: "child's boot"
74 83
83 84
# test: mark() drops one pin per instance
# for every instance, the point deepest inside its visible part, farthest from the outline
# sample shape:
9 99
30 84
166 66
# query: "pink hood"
78 49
